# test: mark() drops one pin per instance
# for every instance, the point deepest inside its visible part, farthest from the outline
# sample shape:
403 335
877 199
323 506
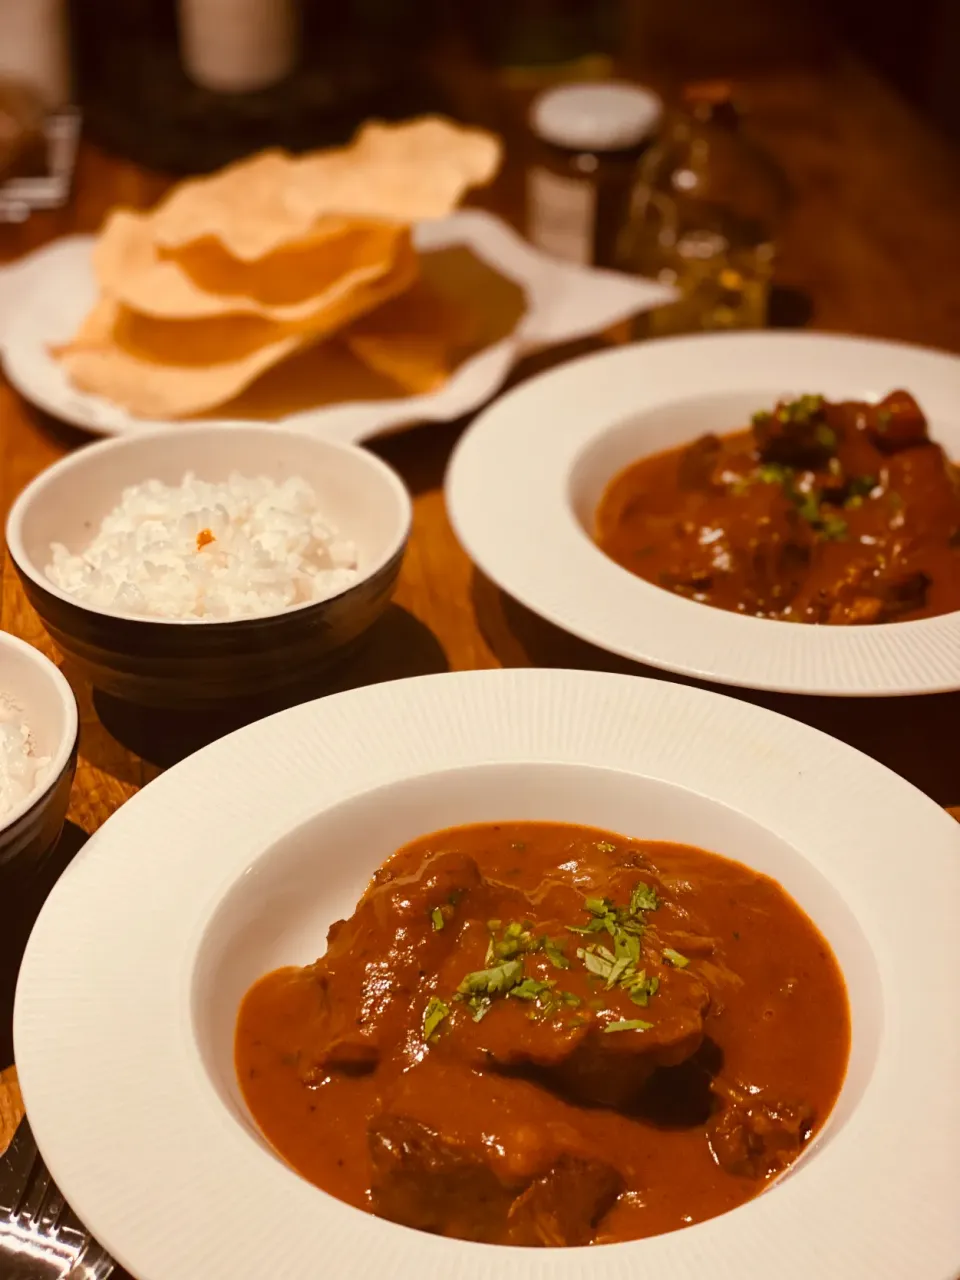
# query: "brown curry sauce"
550 1104
821 513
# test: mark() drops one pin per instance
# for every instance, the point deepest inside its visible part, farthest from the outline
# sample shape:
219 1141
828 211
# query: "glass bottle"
704 214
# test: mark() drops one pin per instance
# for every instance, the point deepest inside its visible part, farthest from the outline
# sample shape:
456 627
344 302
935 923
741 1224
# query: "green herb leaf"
628 1024
530 989
627 944
595 926
860 486
571 998
825 436
492 981
643 898
555 954
675 958
833 528
596 964
774 473
616 973
598 906
433 1015
640 988
436 915
604 846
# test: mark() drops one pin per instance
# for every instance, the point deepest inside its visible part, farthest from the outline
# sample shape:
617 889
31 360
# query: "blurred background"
776 114
155 81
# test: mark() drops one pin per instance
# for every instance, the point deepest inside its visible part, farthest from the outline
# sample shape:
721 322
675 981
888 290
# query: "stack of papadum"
282 261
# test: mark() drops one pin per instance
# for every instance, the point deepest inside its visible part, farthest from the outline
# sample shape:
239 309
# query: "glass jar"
703 218
590 137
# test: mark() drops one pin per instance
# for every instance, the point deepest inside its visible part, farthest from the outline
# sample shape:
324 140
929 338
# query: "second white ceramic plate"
524 484
237 861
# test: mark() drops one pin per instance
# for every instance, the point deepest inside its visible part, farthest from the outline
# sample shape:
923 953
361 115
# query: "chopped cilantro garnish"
616 973
436 915
530 989
628 1024
492 981
555 954
774 473
860 486
596 964
433 1015
643 898
627 944
833 528
517 938
825 436
571 998
675 958
640 988
604 846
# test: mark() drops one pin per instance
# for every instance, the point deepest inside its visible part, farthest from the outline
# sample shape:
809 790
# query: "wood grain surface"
871 249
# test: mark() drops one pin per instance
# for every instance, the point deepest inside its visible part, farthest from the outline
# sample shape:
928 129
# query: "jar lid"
595 117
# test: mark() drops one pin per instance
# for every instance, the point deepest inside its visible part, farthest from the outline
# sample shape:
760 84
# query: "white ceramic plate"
239 858
526 478
44 298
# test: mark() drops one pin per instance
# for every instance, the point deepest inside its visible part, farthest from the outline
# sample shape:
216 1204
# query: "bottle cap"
711 100
595 117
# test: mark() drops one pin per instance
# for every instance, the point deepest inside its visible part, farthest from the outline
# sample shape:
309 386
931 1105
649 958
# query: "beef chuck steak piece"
377 961
565 1205
482 1173
755 1136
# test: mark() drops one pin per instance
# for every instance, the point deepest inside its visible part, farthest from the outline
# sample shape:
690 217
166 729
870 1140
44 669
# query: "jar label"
560 214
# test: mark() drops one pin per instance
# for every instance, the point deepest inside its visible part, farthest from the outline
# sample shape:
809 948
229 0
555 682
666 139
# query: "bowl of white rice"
192 568
38 755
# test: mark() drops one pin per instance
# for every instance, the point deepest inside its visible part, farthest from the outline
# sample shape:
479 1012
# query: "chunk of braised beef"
795 434
565 1205
883 600
421 1181
904 594
896 423
510 1169
698 461
757 1137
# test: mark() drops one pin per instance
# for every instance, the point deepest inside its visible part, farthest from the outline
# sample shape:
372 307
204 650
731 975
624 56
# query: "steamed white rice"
238 549
21 771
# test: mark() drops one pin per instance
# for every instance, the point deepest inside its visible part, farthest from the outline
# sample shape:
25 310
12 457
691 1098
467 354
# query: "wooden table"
873 247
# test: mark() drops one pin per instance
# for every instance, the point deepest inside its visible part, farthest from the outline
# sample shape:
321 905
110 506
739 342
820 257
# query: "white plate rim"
174 1188
506 497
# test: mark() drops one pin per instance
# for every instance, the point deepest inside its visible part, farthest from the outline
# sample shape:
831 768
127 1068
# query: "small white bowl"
42 695
191 663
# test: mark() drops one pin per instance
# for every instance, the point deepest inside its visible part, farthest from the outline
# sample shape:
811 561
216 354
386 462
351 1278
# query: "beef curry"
541 1034
825 513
